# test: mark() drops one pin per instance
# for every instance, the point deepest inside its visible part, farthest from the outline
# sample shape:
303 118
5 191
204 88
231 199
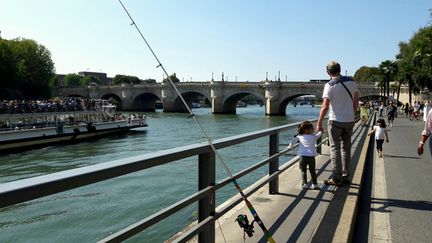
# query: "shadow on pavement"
416 205
400 156
284 215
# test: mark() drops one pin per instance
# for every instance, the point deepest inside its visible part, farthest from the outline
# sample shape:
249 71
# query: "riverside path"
301 215
389 199
396 204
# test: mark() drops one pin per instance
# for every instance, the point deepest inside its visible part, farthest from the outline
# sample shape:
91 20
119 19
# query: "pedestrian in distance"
307 140
381 110
380 135
406 109
426 134
340 98
364 113
391 113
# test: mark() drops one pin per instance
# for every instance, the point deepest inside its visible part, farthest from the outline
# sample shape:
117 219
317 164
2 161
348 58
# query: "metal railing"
16 192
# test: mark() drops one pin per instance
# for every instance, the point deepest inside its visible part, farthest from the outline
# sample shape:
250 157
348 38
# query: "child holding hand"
380 135
307 141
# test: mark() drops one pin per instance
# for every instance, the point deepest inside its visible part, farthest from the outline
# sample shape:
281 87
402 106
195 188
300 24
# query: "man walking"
340 96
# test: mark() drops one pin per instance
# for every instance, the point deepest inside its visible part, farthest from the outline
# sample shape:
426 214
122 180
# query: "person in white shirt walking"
340 96
380 135
307 140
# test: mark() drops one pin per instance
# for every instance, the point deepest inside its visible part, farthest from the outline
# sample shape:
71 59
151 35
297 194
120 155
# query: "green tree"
74 80
26 69
388 70
421 56
415 61
125 79
88 80
367 74
149 81
7 70
173 78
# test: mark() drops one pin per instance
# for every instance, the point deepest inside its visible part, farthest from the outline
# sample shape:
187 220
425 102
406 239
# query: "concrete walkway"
295 214
397 200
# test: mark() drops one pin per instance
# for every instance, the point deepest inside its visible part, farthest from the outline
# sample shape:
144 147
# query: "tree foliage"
125 79
367 74
173 78
26 69
73 80
149 81
415 61
388 70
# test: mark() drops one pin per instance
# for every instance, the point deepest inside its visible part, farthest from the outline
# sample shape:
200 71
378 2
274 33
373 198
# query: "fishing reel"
243 222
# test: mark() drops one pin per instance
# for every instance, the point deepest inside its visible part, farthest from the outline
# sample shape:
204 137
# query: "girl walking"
307 141
380 135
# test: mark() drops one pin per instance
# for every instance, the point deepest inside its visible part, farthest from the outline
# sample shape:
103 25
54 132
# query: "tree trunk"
388 89
410 88
398 92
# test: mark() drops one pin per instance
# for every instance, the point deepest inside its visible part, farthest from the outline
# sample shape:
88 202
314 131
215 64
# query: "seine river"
91 213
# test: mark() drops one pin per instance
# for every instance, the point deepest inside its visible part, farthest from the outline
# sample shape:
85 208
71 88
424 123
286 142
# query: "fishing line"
209 140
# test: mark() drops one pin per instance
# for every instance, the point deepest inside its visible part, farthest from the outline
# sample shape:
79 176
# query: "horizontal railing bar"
139 226
282 168
194 230
260 183
28 189
229 141
248 170
153 219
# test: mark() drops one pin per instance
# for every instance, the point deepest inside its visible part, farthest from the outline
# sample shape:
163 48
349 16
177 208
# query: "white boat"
241 104
21 131
195 105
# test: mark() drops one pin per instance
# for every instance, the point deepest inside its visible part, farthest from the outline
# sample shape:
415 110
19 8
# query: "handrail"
28 189
15 192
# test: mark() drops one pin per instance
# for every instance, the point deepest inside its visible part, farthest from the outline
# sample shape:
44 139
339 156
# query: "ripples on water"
93 212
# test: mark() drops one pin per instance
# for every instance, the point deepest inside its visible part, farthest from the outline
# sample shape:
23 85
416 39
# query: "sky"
195 38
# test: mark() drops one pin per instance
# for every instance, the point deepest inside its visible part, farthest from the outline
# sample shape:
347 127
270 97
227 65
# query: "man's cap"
333 67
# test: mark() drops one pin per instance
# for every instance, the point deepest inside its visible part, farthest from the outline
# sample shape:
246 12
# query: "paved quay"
295 214
396 204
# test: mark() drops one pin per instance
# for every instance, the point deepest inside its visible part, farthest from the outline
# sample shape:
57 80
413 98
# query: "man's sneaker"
333 182
304 186
315 187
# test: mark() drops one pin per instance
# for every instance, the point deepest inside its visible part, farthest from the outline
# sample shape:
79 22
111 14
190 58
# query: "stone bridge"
223 96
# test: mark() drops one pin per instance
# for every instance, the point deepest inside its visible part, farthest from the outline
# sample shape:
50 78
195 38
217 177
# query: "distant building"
101 76
104 79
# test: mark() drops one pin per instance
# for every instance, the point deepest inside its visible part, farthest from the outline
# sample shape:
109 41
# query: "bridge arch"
115 99
145 102
229 104
286 100
191 97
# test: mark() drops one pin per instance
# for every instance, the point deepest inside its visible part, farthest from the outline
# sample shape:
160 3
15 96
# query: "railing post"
274 164
206 206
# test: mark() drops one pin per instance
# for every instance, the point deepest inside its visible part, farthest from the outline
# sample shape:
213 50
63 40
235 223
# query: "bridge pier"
273 105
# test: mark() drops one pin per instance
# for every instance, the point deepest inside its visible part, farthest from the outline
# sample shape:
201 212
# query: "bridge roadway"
394 204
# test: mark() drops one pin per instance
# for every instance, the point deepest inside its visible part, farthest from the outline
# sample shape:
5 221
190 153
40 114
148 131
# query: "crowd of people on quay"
57 104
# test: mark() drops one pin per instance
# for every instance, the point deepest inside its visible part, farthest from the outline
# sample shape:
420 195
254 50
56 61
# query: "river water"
93 212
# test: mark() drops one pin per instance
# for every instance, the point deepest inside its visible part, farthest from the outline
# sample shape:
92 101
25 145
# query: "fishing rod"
206 135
